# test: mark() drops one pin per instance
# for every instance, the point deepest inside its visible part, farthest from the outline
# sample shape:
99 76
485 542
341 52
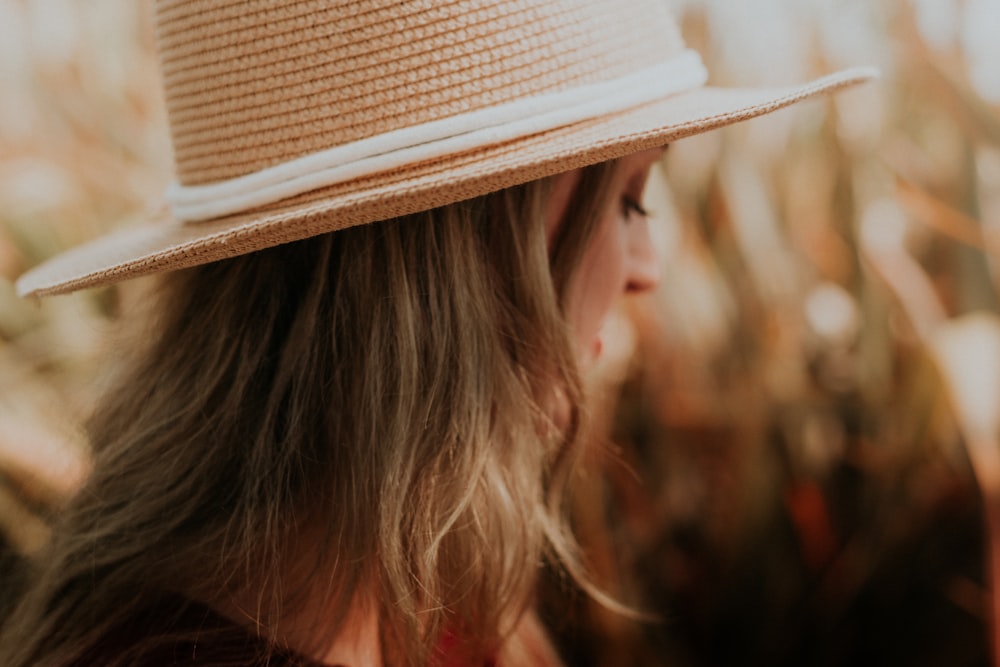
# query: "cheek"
598 284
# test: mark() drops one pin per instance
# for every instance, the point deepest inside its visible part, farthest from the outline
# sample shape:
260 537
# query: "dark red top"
182 633
178 632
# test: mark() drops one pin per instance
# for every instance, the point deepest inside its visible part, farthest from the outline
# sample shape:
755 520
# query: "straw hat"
292 118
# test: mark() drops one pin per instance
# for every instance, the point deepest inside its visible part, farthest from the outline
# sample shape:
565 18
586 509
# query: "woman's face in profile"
620 258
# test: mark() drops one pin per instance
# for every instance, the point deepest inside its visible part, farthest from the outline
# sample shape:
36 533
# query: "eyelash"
630 206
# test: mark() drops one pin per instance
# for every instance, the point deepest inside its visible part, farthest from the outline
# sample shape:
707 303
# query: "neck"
351 641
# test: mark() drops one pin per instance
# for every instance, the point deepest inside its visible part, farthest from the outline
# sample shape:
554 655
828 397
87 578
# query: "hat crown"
254 83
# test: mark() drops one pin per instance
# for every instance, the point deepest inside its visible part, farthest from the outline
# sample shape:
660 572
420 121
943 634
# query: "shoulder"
178 632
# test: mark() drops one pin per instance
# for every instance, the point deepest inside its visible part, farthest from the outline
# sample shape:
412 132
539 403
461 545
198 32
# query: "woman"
398 227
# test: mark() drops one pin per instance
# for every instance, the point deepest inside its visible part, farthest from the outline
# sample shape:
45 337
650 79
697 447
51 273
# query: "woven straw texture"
253 83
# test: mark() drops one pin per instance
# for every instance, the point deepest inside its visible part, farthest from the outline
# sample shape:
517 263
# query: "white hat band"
427 141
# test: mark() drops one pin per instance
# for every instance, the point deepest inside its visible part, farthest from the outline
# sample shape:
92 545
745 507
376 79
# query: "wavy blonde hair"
368 410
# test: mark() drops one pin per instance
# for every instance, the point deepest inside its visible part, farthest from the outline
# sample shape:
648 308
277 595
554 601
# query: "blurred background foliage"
804 463
798 460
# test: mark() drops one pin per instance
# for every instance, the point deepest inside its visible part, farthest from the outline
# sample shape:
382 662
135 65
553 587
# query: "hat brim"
167 245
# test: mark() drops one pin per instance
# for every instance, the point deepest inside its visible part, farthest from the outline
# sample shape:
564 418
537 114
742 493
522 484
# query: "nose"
645 265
